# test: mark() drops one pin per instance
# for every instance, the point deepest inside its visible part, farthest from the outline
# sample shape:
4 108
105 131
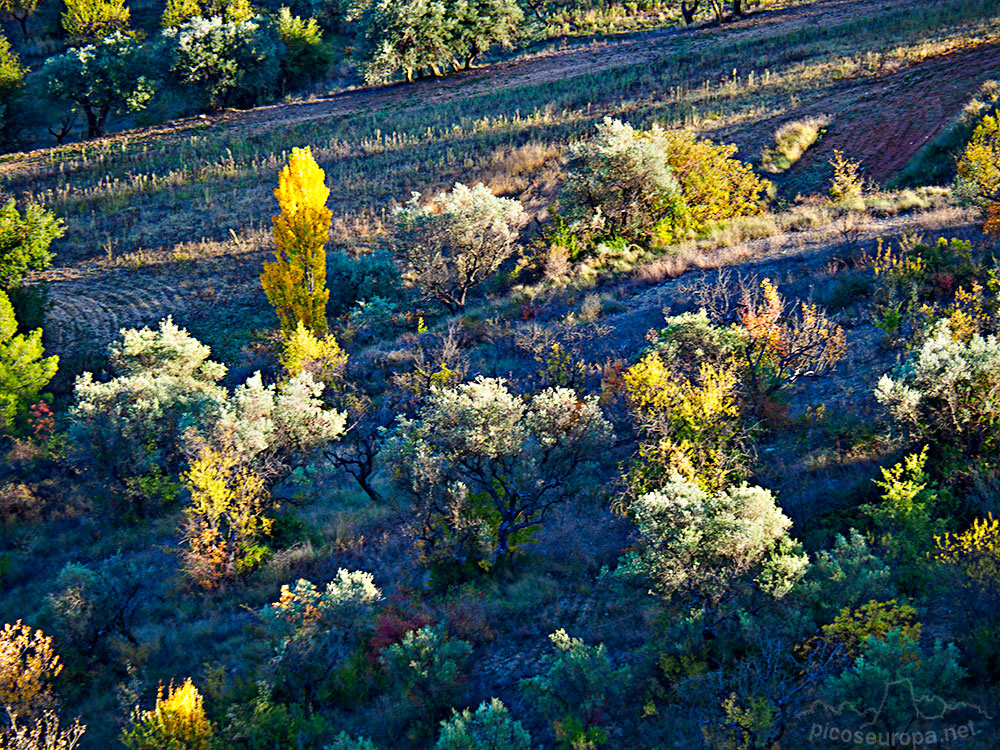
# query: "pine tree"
295 282
24 372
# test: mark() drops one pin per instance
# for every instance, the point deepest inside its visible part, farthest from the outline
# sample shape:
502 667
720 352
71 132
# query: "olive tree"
705 548
412 36
164 405
225 62
100 78
619 182
456 241
483 465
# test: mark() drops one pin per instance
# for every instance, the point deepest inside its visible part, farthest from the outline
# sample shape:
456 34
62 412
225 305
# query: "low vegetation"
536 416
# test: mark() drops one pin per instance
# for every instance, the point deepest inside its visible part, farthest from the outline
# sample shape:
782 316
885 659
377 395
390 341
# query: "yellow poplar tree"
295 282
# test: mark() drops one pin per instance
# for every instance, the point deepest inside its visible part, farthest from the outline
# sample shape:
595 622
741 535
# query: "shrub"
93 603
714 184
654 184
361 277
942 395
263 724
177 12
705 549
295 282
24 371
852 629
456 241
906 519
781 343
176 721
980 166
224 63
344 741
322 358
230 512
165 403
491 726
894 661
25 240
620 182
94 19
578 690
690 427
28 665
44 733
428 668
846 576
305 57
846 185
483 465
11 78
165 388
975 551
791 141
315 632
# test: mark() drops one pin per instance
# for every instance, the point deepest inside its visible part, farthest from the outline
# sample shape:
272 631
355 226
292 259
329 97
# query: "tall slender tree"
295 282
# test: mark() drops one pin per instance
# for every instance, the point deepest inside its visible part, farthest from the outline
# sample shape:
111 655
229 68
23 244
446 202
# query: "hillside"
727 641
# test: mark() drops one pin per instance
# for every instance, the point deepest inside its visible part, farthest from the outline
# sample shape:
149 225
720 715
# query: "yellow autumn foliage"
322 357
688 427
976 551
295 282
229 512
27 667
176 721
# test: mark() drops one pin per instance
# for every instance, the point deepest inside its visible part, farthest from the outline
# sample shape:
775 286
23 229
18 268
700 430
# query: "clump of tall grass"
791 141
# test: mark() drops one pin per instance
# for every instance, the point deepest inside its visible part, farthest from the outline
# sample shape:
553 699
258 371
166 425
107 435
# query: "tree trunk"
737 7
23 21
689 12
95 122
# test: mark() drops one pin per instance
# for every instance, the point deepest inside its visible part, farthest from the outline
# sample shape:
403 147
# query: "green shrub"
360 278
428 668
24 370
943 393
654 185
305 58
94 603
490 727
578 690
482 465
316 632
706 548
845 576
619 183
25 240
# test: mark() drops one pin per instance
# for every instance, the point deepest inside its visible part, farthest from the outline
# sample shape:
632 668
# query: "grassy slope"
174 220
